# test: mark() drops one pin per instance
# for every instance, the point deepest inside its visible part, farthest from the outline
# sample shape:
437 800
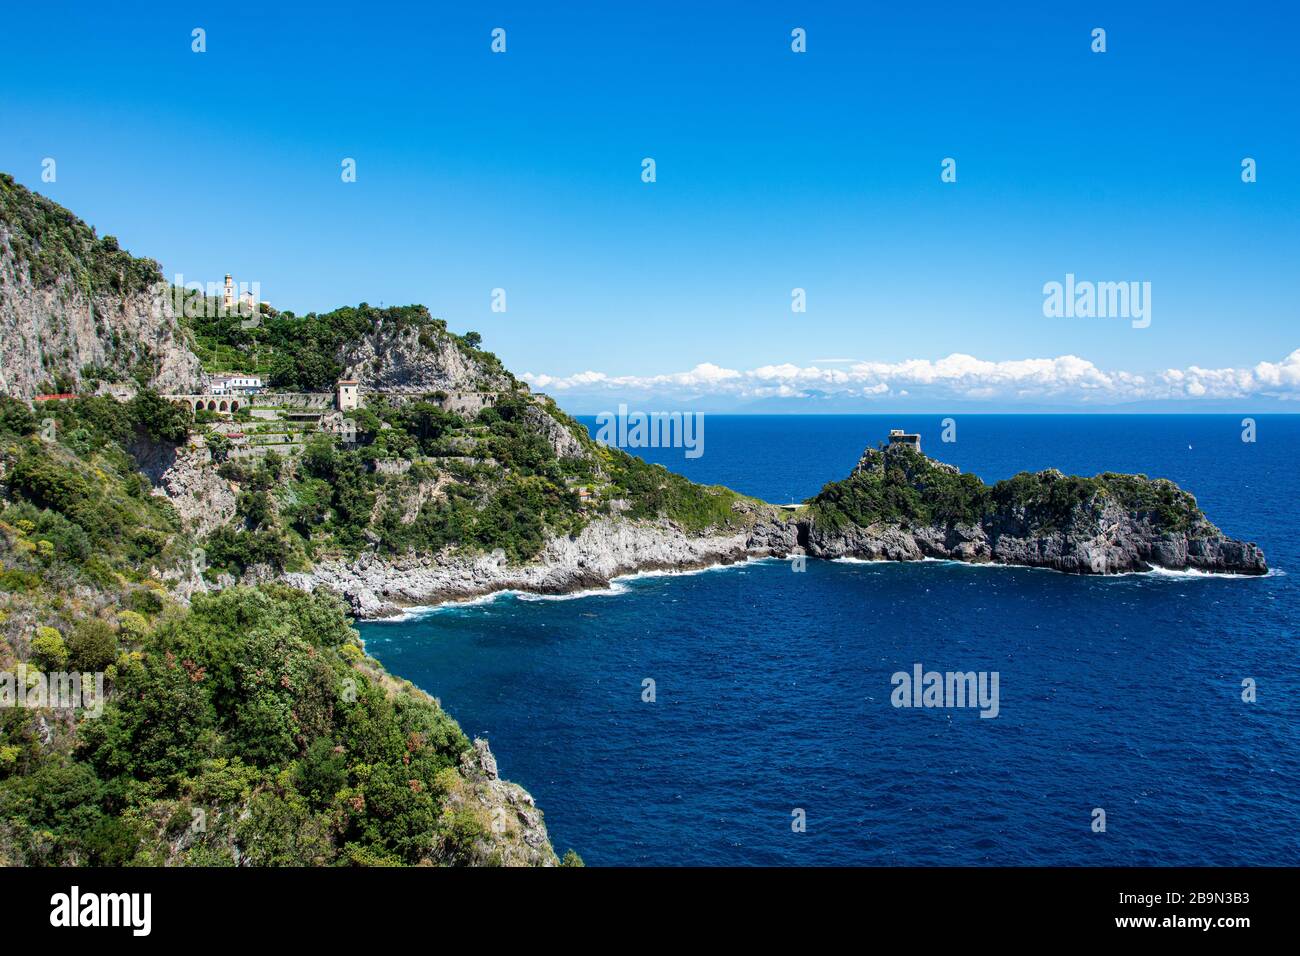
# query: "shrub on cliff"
90 506
159 418
16 417
92 645
49 650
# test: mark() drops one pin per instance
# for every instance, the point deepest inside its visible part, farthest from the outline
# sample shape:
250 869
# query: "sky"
774 171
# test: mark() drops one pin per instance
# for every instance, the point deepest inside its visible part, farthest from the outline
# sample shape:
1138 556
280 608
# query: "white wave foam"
615 588
1154 571
1194 573
617 585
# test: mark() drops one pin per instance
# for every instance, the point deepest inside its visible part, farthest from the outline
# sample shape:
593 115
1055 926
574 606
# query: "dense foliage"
902 486
81 495
482 485
507 497
248 728
246 713
301 353
652 491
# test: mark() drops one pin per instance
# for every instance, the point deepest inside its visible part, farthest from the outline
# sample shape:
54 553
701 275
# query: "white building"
236 384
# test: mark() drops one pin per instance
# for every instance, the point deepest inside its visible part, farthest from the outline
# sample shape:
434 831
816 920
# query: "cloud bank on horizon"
1066 379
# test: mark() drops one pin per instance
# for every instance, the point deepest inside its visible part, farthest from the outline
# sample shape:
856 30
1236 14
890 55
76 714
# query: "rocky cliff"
375 586
514 833
430 504
76 310
899 505
419 358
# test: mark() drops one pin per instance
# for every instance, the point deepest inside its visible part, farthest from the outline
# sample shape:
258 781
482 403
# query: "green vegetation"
653 491
492 483
1160 501
52 242
300 353
82 495
509 501
902 486
247 728
248 712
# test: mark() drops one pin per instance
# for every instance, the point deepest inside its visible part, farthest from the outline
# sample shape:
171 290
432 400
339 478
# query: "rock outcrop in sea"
899 505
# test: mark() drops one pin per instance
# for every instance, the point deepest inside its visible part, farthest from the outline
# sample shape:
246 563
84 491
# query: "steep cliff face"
513 831
1114 545
187 477
418 358
557 430
75 309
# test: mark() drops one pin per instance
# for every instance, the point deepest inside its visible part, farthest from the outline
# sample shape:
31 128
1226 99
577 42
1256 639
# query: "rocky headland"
1112 524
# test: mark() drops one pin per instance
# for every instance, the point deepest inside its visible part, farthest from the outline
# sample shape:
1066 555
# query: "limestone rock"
186 476
62 327
515 832
417 359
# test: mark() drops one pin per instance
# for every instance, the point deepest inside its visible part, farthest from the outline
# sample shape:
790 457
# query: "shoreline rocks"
606 549
1070 554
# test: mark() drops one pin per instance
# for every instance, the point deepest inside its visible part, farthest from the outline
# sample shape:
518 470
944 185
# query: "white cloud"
1066 379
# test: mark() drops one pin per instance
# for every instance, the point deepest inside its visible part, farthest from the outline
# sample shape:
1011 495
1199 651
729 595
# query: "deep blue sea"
773 687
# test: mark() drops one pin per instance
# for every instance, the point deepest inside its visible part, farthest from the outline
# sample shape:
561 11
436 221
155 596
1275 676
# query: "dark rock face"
1096 535
1121 549
770 532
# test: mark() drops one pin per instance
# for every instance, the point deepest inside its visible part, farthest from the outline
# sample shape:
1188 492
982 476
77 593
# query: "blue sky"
776 170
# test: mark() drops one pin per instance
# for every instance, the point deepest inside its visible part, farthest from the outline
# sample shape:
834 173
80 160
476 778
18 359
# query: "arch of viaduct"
209 403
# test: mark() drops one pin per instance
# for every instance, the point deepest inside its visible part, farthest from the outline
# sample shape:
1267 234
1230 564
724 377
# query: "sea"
751 715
